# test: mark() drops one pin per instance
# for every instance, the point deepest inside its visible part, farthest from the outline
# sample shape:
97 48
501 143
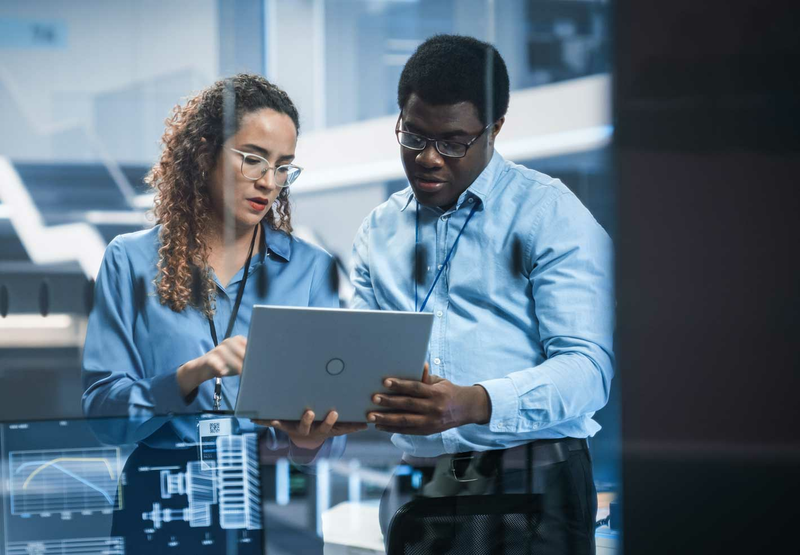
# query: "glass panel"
83 112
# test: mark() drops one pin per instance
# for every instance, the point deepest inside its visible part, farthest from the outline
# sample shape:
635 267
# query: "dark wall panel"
707 155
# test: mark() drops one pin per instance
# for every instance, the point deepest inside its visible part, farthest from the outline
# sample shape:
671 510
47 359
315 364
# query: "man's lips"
258 204
429 184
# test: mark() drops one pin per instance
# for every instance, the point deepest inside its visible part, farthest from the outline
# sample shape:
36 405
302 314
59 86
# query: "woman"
173 303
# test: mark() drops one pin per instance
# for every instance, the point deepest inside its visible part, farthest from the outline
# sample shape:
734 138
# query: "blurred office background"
85 88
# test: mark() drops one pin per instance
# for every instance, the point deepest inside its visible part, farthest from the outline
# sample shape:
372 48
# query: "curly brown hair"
192 140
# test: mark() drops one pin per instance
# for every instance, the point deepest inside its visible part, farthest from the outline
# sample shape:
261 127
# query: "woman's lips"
257 204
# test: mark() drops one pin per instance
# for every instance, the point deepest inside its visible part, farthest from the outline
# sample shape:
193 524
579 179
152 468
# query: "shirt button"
439 267
439 313
437 360
471 200
444 218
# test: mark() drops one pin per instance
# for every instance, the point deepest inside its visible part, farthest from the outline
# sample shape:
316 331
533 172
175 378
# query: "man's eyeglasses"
254 167
445 147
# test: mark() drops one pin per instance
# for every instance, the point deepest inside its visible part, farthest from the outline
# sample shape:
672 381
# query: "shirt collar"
278 242
482 188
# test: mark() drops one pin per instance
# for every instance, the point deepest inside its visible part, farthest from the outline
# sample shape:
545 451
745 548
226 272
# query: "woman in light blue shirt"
163 294
173 303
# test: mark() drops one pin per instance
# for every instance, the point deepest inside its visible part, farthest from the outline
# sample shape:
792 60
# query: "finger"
232 363
326 425
260 422
237 348
422 431
426 374
216 364
403 403
340 429
305 423
240 339
407 387
400 420
278 425
348 427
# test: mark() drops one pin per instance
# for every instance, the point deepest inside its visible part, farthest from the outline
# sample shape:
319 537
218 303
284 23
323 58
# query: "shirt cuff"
505 404
298 455
333 448
167 394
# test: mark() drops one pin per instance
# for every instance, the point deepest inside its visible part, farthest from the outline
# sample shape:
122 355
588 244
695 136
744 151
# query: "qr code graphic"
213 428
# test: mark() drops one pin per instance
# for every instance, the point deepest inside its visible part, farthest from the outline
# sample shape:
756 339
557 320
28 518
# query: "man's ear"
498 125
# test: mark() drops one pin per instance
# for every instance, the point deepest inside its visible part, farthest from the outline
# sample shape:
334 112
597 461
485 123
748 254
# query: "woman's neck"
233 238
228 252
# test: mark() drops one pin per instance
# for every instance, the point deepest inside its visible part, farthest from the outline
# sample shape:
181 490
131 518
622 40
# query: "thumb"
426 375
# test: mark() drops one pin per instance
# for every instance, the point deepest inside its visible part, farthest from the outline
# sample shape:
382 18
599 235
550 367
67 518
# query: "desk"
352 529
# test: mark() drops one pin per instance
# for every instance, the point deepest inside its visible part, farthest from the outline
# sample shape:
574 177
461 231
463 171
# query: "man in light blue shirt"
518 275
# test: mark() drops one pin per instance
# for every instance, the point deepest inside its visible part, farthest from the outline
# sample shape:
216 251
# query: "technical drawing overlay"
64 480
60 488
84 546
231 482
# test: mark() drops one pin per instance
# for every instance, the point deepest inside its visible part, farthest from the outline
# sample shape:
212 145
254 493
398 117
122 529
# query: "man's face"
439 180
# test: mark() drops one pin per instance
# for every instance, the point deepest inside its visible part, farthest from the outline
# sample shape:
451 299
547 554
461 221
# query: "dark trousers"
559 480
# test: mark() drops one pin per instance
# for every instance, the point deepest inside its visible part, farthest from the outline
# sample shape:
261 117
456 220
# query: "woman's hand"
307 434
225 359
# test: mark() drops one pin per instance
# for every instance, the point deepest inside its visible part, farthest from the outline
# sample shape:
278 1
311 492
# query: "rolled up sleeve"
569 259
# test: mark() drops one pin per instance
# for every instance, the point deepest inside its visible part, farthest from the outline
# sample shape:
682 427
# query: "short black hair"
446 69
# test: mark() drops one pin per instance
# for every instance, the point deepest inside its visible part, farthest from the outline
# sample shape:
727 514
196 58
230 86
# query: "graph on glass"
84 546
64 481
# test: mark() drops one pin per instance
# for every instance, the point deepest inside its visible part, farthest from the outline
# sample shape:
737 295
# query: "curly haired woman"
165 323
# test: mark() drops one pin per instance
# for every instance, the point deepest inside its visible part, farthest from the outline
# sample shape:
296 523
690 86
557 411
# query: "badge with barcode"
209 430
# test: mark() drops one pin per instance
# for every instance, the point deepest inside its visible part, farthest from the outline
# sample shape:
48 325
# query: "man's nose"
429 157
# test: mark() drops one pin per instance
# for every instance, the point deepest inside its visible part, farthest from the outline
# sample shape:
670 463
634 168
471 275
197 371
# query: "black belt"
536 454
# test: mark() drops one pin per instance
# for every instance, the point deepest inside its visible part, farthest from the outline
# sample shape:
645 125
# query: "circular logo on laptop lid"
335 366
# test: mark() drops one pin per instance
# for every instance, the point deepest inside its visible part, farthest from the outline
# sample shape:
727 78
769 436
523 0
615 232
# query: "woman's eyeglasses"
254 167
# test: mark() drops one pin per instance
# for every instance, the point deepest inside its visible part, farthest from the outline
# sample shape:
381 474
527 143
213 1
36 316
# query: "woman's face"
268 134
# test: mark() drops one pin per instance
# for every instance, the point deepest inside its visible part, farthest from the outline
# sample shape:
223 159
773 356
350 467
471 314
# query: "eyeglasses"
254 167
451 149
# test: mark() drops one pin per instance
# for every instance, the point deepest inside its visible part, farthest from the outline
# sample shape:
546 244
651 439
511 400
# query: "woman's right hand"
225 359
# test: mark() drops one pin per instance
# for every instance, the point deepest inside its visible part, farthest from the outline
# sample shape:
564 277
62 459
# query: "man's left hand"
429 406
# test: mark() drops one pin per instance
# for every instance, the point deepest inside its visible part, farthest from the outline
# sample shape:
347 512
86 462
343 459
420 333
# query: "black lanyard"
446 260
232 321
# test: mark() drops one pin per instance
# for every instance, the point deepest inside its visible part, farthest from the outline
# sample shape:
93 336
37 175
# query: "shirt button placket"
441 291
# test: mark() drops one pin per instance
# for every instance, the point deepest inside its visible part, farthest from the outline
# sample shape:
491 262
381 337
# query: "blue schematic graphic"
231 482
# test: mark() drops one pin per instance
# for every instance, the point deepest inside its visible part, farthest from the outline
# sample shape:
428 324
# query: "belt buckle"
460 458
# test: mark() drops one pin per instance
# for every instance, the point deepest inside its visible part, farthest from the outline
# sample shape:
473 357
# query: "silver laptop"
326 359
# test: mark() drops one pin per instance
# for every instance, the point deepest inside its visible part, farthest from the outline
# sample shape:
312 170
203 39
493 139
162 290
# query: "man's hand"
429 406
307 434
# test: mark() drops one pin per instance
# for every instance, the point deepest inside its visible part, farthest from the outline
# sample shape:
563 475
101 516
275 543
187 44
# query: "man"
518 275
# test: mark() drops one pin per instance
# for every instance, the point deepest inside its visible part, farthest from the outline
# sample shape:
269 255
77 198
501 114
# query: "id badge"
209 428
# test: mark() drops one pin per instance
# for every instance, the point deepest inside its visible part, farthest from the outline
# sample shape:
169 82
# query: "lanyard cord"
231 321
446 260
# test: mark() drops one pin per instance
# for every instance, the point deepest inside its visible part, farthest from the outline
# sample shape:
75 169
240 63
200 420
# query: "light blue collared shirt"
134 344
534 330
